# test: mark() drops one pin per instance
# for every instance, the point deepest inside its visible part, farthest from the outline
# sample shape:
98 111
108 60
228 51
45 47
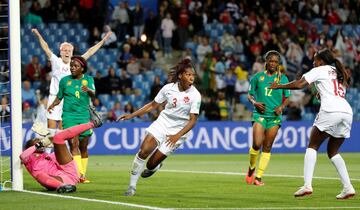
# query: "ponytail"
343 76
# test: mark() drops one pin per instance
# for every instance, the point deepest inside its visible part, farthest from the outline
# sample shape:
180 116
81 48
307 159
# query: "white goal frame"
15 94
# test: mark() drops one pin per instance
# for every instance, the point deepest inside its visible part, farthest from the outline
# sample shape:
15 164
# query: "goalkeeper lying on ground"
57 170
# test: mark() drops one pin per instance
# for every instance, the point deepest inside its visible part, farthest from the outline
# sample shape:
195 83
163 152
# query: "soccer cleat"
249 178
346 193
95 117
147 173
84 180
130 191
303 191
258 182
66 188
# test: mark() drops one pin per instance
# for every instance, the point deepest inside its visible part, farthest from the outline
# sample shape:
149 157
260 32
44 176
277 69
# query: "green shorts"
70 122
267 121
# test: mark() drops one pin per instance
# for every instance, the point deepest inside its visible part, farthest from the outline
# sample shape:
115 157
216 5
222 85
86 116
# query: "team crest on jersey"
276 79
262 78
84 82
68 83
186 99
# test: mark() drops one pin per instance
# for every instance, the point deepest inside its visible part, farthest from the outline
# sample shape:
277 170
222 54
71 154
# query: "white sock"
340 166
52 131
309 166
137 168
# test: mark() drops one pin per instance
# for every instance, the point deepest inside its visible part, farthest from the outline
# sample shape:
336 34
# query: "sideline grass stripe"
95 200
272 208
243 174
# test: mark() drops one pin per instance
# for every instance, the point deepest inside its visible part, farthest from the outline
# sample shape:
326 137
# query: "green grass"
175 187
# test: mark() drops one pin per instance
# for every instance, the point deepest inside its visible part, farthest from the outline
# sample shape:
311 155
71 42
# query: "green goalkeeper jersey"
259 88
76 101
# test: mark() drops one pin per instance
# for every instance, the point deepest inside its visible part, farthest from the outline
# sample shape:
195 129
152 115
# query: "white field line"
243 174
95 200
201 172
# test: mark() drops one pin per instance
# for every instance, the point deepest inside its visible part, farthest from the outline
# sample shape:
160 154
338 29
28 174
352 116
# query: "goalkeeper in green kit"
77 90
267 116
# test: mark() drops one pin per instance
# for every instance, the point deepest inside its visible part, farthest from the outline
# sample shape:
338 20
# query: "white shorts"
57 111
336 124
160 133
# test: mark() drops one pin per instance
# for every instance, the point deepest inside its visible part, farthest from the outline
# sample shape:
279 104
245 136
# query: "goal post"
15 94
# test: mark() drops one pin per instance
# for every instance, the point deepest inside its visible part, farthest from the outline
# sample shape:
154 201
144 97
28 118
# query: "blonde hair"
66 44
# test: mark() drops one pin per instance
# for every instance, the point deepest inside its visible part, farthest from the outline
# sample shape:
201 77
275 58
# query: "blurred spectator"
115 112
100 83
41 109
28 94
45 85
27 113
4 110
146 64
167 27
223 106
112 82
138 20
95 36
120 20
155 87
211 109
124 56
133 67
100 108
33 70
125 81
230 81
203 48
152 23
111 41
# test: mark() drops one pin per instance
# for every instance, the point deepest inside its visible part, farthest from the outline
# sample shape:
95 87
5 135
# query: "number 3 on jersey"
338 89
174 100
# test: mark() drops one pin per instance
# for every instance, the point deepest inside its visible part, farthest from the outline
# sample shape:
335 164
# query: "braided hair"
180 68
328 58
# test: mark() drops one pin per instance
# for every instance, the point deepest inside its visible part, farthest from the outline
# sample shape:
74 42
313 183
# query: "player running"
333 120
57 170
169 130
267 116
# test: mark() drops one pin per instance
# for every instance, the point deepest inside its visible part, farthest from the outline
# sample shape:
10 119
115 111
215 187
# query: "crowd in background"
226 40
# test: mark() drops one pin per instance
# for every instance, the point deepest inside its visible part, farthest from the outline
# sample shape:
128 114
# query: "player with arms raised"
60 67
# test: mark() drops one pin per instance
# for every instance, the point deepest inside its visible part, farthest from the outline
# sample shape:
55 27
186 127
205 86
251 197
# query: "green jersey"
76 101
259 88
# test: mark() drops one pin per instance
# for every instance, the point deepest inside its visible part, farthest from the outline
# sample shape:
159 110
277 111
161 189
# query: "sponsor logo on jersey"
262 78
68 83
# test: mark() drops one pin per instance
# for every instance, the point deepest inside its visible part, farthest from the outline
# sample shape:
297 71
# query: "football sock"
263 163
77 159
340 166
52 131
254 154
84 163
309 166
71 132
137 167
48 181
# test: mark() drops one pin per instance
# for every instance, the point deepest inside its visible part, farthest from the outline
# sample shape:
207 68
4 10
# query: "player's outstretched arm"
43 43
293 85
143 110
96 47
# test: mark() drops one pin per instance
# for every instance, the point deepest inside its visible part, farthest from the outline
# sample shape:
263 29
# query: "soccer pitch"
195 182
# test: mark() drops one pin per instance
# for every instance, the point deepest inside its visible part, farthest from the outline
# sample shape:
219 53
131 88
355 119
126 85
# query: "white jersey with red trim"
58 70
332 93
179 105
